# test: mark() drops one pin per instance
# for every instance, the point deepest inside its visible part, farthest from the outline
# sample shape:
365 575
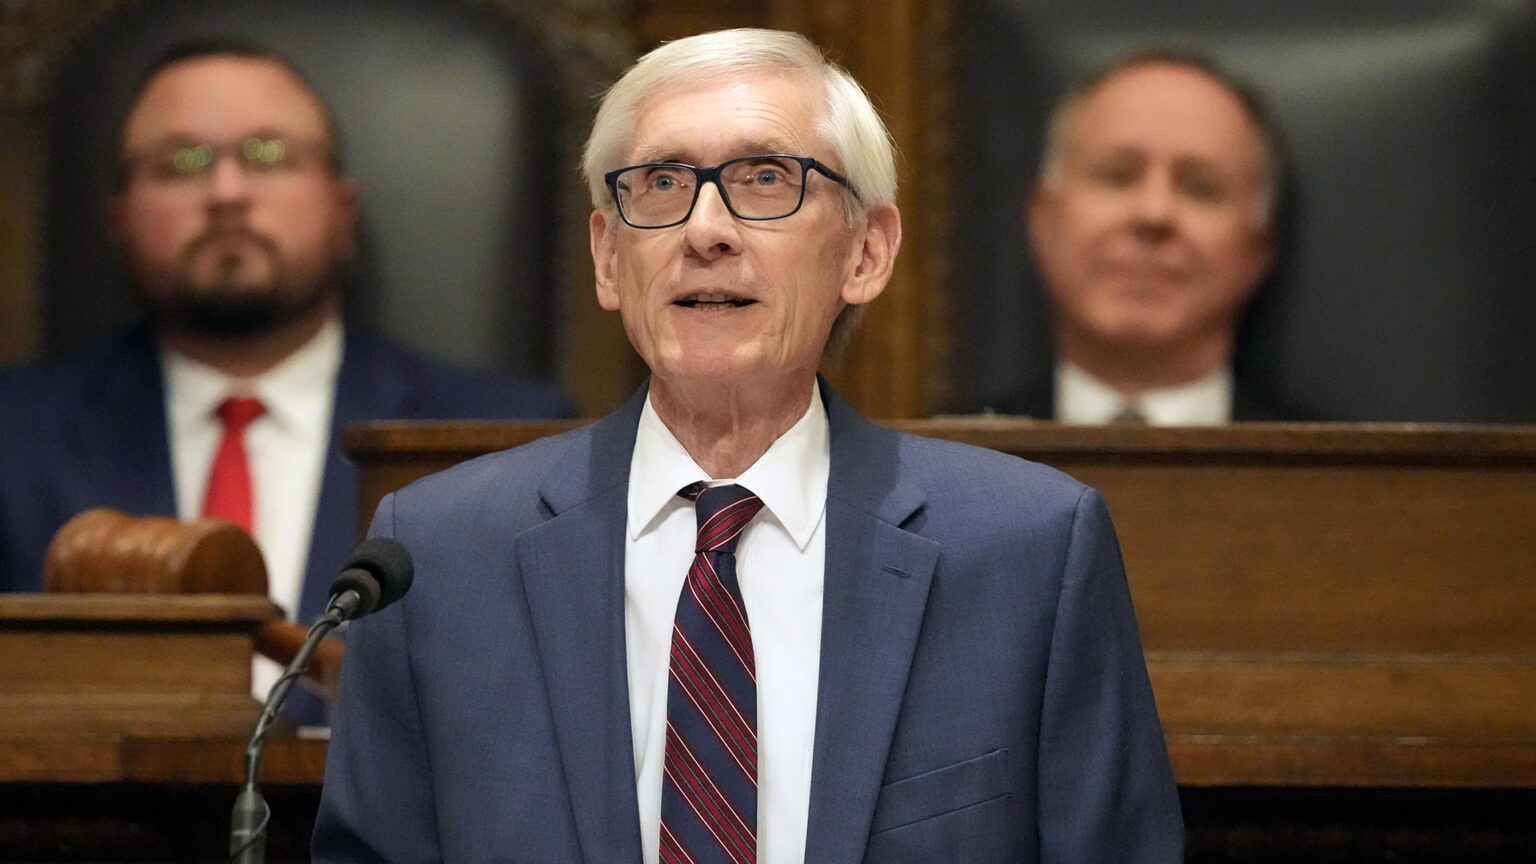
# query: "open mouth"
714 301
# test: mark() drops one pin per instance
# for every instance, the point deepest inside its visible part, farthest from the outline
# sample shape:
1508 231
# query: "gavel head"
108 551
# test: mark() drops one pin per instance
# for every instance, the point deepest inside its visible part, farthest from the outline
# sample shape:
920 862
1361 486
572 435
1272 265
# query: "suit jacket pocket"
944 790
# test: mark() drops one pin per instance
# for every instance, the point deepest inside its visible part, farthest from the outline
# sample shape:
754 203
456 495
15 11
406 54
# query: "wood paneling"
88 666
900 52
18 168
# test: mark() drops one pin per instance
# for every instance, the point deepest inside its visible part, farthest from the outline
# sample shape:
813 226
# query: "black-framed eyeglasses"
755 188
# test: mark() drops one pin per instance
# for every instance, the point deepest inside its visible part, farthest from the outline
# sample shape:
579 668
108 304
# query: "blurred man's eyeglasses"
189 162
755 188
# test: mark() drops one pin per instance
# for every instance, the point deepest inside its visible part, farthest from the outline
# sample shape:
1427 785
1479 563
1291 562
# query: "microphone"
378 573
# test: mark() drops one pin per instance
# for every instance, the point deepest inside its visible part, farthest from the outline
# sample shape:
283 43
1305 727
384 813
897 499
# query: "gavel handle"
280 640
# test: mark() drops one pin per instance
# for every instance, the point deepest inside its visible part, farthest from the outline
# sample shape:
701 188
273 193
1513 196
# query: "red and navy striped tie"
709 789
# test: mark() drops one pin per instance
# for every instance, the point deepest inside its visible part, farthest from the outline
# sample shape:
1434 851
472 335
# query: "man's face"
242 244
1151 232
725 301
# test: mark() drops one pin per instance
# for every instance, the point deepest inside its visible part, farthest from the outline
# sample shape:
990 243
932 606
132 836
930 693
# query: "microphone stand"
248 821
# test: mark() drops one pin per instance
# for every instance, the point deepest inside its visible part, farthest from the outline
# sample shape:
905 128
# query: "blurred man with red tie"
234 216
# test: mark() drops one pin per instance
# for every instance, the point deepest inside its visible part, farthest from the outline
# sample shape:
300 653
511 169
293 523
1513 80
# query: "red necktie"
709 786
229 481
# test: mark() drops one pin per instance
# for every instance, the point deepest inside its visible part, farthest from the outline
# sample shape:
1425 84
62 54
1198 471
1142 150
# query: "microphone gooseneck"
378 573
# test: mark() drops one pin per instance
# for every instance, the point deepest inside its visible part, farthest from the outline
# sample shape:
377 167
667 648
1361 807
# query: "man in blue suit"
235 218
734 621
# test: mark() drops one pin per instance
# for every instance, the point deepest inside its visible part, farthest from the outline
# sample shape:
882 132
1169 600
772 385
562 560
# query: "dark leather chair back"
1404 288
446 112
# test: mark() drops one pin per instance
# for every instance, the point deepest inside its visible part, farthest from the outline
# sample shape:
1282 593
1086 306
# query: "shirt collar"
790 478
1082 398
289 390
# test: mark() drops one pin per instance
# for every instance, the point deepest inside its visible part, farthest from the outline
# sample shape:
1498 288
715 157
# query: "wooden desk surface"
287 760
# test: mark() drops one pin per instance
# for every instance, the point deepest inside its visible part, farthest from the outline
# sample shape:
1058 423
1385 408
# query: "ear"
1263 254
877 255
1259 256
346 196
604 261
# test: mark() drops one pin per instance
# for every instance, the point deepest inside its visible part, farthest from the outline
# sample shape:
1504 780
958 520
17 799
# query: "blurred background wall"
1403 292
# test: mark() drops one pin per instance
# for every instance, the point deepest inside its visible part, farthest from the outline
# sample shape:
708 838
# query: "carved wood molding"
30 30
593 35
901 51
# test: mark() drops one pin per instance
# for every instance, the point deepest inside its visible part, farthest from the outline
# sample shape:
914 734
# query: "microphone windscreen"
380 571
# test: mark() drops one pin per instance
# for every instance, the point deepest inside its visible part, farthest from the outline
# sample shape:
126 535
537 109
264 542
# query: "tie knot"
723 511
1129 415
237 412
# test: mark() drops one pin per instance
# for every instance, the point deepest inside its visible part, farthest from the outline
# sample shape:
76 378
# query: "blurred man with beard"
235 217
1153 227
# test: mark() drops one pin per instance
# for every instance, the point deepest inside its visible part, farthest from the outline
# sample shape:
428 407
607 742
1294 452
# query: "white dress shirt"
781 562
285 448
1082 398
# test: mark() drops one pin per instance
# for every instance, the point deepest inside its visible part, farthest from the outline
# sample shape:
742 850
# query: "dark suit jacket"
982 696
90 431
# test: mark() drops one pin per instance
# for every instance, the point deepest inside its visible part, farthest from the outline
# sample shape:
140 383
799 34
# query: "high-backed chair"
446 113
1404 288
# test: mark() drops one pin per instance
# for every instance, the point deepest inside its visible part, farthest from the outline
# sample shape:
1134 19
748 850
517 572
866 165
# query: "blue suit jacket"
90 431
982 692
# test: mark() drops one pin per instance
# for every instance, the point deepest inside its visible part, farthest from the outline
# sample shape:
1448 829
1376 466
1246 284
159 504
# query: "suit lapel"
877 579
360 395
336 531
573 571
133 449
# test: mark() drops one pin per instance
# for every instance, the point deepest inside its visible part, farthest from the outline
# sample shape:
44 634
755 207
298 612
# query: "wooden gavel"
108 551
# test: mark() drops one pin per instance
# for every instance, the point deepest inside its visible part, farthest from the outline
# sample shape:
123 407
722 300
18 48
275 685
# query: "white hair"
849 123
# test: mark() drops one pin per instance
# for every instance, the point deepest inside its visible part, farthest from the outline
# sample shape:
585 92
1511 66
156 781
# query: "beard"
227 306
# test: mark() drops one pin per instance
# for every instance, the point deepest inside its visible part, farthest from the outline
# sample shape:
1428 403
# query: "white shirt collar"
288 390
1082 398
790 478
